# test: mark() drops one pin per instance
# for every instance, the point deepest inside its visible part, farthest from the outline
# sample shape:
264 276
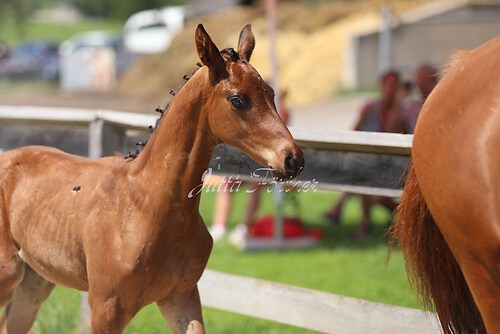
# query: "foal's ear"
246 43
209 54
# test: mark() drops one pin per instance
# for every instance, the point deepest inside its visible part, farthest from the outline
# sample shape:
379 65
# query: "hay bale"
311 48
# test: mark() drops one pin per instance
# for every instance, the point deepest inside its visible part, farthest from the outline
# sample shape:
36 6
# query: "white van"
152 31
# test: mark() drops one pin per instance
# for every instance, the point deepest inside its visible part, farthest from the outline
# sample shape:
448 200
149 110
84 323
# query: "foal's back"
42 190
31 172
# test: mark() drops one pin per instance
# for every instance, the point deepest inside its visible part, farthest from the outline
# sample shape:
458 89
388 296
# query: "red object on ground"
317 233
292 228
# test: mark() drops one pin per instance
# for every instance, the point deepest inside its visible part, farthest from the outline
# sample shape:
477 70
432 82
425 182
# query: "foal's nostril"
290 165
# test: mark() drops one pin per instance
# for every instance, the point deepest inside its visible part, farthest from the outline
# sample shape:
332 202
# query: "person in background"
224 199
379 115
426 79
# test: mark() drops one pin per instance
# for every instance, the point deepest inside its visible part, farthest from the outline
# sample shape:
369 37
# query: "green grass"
341 264
12 33
28 85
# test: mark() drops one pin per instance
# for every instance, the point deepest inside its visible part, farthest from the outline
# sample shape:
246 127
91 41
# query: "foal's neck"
179 151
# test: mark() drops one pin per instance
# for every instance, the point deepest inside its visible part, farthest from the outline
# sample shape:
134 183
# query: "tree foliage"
119 9
17 10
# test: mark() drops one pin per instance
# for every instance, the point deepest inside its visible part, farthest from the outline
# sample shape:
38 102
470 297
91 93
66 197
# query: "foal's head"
242 112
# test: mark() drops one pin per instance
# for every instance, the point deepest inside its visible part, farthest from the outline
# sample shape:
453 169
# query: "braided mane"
229 54
132 155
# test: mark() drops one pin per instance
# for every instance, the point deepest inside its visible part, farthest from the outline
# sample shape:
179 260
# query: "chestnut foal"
127 231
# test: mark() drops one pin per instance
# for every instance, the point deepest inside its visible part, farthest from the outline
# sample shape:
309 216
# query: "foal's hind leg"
11 274
11 265
20 314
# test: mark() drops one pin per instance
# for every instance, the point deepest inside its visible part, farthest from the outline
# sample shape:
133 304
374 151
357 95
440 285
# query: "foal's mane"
132 155
229 54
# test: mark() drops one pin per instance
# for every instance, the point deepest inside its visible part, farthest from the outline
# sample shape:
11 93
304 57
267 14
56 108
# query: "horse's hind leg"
20 314
11 265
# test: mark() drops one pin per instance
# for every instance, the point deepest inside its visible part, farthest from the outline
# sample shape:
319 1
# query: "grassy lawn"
341 264
12 33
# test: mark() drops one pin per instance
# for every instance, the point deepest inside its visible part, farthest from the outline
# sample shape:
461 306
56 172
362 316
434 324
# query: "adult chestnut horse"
127 231
449 216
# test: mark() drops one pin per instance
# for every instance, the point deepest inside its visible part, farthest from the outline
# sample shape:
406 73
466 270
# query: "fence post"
96 128
104 139
95 138
84 313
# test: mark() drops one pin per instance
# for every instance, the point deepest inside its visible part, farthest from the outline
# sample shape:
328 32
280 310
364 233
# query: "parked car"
152 31
96 39
92 61
31 60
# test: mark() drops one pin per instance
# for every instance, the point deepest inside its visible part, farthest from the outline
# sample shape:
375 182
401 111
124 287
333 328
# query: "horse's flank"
455 58
449 225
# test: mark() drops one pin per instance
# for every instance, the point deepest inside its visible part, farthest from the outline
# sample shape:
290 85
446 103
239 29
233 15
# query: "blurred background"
127 55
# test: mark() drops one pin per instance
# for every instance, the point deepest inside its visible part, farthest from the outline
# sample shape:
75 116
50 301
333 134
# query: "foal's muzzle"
293 166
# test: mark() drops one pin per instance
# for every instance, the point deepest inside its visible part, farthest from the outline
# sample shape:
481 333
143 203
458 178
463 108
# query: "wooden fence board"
310 309
354 141
357 172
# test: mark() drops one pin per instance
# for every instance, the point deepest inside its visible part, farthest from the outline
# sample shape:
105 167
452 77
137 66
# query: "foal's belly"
61 271
49 241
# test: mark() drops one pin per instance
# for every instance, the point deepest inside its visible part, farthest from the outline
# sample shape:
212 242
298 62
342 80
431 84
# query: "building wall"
431 40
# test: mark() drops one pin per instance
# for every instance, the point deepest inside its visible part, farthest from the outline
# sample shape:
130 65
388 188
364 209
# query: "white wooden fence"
377 161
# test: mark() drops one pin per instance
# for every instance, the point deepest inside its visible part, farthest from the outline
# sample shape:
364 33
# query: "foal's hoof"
195 327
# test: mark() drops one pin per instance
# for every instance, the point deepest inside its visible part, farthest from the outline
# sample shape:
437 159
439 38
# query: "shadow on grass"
343 234
310 208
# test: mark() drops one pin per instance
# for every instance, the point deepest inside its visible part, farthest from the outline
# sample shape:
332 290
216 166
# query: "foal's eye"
237 102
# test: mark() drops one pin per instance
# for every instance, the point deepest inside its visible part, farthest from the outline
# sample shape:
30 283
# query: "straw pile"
312 46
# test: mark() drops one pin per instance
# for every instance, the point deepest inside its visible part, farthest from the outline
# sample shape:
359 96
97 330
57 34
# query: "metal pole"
96 129
96 135
84 313
272 31
384 44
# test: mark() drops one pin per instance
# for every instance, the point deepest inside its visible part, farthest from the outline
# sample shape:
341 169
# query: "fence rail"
310 309
352 161
366 163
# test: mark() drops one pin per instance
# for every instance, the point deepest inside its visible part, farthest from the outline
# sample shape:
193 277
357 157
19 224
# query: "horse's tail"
431 267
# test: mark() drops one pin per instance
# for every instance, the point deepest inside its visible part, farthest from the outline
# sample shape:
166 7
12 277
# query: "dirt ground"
311 48
337 113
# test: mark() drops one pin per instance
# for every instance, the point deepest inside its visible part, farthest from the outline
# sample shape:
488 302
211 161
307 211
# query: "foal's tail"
430 265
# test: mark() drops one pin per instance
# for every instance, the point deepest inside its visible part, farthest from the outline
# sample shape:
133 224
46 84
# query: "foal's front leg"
182 311
110 313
